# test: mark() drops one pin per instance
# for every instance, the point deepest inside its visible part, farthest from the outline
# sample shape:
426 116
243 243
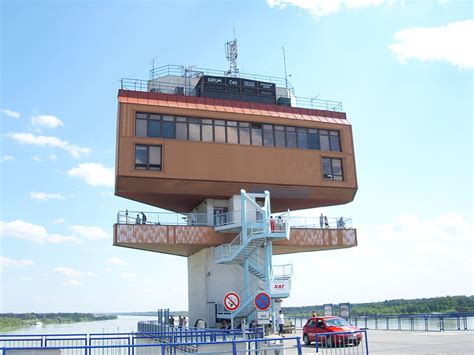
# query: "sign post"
262 301
231 303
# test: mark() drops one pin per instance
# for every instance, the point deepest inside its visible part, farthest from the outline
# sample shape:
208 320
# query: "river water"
123 324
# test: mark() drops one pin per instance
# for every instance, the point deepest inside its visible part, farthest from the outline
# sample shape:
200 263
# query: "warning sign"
231 301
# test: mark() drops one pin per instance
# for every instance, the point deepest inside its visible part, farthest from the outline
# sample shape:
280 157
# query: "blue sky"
402 69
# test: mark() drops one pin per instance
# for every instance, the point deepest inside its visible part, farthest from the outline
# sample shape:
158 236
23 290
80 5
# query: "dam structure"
231 156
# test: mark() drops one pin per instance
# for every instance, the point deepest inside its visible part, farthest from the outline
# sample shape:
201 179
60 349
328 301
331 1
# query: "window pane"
302 138
279 138
142 115
334 143
268 135
181 119
168 127
141 156
181 130
154 129
232 123
219 134
140 128
336 167
324 142
244 135
194 132
232 135
313 141
207 132
219 123
290 137
327 171
256 134
155 158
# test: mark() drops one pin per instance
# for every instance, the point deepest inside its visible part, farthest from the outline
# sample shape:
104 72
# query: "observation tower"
231 156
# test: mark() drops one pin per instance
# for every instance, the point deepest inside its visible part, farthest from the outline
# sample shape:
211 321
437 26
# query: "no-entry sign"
262 301
231 301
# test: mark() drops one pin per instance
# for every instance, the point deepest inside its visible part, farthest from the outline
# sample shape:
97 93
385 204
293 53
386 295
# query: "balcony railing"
202 219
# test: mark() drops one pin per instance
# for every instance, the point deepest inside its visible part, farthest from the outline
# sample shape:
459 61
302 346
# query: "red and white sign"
262 301
231 301
280 286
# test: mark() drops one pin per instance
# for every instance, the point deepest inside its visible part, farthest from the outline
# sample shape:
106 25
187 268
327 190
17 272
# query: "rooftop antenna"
231 55
284 64
152 70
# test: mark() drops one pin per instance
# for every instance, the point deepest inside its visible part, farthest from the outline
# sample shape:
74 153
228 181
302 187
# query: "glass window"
168 127
194 129
332 169
244 133
280 136
207 134
142 115
334 141
219 131
154 158
291 137
268 135
302 138
181 128
141 156
313 139
324 140
232 133
140 127
256 134
154 126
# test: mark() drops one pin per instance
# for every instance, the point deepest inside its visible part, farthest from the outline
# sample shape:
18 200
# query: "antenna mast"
284 64
231 55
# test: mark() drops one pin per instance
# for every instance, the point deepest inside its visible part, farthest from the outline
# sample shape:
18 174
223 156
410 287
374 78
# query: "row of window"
149 157
223 131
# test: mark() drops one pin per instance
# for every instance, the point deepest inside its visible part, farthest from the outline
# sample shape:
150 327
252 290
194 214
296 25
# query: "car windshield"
336 322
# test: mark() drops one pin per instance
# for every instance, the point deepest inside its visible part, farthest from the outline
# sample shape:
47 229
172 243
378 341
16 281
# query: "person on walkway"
326 223
180 322
321 221
143 218
281 322
137 220
341 223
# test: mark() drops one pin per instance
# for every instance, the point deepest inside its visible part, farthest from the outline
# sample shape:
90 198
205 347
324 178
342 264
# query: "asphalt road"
403 343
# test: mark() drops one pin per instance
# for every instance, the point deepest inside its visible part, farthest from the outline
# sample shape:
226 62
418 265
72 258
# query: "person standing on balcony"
321 221
272 223
143 218
137 220
281 322
326 223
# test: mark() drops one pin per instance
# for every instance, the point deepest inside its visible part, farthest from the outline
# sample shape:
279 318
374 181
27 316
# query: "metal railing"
316 222
153 343
165 218
160 86
352 342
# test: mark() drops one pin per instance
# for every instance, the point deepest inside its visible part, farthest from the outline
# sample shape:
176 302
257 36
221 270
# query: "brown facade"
187 240
193 171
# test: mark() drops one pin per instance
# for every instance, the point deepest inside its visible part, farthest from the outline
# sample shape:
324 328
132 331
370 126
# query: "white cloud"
6 158
36 158
94 174
73 283
411 256
34 233
89 232
67 271
11 113
26 278
28 138
448 43
4 262
46 121
115 261
320 8
59 221
128 275
44 196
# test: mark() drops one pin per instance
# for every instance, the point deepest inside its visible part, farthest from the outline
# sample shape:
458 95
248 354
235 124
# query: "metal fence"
144 344
353 342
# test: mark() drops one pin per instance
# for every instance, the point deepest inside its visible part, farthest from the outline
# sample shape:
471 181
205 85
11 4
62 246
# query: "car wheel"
306 339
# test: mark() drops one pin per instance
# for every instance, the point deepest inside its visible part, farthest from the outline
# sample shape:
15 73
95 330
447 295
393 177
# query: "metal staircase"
244 250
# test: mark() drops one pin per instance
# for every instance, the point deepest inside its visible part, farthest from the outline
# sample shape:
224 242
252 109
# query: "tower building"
231 156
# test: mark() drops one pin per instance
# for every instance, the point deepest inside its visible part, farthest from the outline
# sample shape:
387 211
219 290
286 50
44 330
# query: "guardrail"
353 342
150 343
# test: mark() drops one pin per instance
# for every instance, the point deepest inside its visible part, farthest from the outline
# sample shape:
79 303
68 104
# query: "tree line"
15 320
446 304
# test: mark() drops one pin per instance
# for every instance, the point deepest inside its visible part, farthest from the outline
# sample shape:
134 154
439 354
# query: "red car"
315 325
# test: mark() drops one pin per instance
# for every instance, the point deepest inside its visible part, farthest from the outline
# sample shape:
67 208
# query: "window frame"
148 166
